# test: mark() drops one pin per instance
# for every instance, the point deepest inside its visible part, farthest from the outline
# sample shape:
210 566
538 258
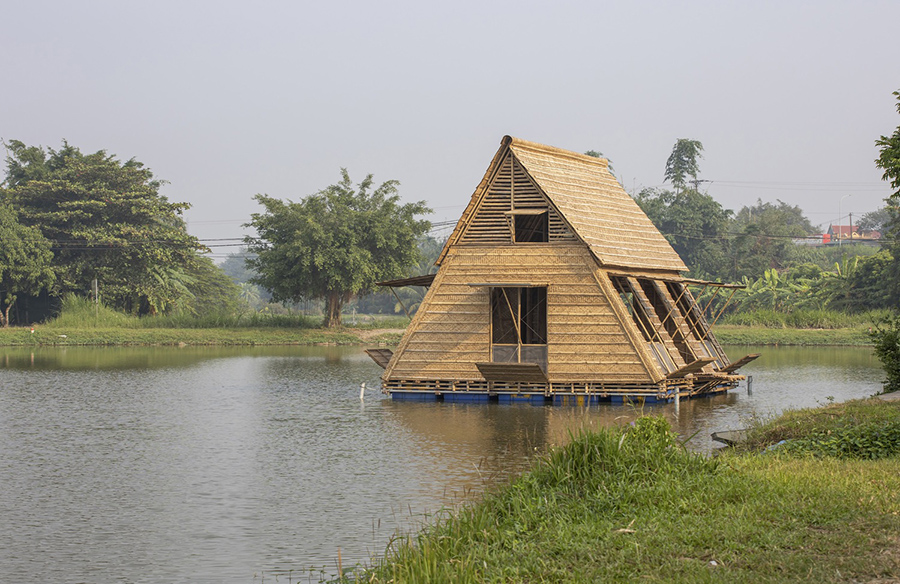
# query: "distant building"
838 234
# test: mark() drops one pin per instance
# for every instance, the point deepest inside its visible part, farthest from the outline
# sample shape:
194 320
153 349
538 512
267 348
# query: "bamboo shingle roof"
591 201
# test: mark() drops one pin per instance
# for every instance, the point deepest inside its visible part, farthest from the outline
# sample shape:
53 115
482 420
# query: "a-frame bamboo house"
554 285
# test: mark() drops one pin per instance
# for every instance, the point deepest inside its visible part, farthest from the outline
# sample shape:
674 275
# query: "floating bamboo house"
555 286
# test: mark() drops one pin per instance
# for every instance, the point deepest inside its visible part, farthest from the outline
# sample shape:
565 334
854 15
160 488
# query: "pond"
242 464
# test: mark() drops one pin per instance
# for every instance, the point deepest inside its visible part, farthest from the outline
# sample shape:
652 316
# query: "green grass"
81 313
273 330
806 319
757 335
85 323
62 336
81 322
626 505
863 429
800 327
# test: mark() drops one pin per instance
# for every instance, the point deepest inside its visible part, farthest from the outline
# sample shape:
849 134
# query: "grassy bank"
631 505
83 323
62 336
762 335
227 334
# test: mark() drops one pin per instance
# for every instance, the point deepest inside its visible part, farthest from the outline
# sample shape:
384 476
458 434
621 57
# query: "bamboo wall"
510 189
587 341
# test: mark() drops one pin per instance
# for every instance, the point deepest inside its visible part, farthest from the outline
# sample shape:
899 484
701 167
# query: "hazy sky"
228 99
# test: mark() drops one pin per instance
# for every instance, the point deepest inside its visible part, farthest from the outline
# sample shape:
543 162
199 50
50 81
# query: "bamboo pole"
403 306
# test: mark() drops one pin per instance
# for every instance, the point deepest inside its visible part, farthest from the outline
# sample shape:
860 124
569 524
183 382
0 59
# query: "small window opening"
519 316
532 228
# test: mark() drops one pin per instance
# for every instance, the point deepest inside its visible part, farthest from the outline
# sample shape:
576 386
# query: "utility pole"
697 182
840 216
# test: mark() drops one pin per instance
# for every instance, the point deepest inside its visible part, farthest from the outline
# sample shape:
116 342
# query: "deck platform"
568 396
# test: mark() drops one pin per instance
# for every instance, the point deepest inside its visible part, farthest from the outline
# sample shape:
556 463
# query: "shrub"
886 338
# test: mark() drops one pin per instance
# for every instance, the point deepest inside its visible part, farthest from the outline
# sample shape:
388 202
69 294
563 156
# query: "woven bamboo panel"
451 331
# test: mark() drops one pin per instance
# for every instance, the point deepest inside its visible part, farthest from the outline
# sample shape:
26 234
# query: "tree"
684 162
889 161
876 220
867 285
889 158
105 220
762 238
211 290
25 261
694 223
334 244
235 266
886 338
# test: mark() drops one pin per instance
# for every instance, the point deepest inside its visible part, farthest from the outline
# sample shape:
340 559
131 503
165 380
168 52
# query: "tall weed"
78 312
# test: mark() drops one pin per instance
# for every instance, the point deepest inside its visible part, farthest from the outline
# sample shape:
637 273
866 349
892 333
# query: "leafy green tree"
886 338
762 238
410 297
334 244
889 158
235 266
106 220
211 290
889 161
25 260
867 289
694 223
684 163
876 220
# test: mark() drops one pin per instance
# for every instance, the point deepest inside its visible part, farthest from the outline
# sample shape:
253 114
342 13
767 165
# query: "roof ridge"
543 148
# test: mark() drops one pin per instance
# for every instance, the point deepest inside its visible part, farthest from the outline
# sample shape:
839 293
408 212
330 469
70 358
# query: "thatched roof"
591 201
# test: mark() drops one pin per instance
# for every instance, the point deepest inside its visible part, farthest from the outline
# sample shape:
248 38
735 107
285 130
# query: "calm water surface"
227 465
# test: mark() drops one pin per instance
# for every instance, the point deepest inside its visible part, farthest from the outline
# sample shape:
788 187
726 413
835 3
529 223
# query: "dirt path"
368 334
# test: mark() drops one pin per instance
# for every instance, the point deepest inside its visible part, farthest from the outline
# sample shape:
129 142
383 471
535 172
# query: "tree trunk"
334 302
4 318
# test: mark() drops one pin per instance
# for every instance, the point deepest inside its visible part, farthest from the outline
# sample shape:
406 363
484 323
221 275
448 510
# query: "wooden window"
519 325
531 227
505 316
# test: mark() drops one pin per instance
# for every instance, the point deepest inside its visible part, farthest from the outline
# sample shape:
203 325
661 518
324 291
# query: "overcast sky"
228 99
